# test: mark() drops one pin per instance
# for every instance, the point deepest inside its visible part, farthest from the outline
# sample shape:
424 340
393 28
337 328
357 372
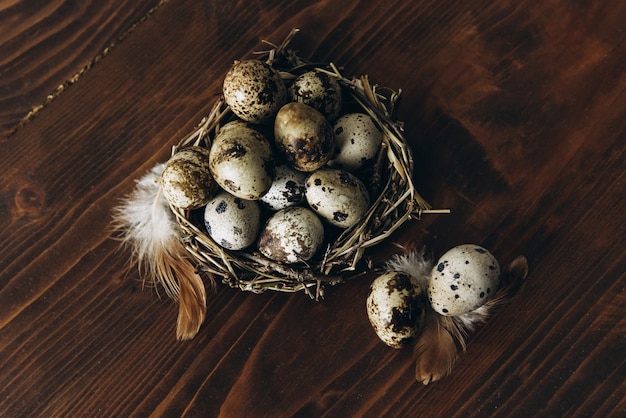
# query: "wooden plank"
517 120
45 47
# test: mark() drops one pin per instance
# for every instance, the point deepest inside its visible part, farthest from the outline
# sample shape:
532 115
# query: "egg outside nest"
396 308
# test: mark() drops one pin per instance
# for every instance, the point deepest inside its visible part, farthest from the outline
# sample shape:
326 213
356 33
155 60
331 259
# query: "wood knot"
24 196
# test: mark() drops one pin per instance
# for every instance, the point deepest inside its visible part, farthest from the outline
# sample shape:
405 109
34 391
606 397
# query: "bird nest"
393 195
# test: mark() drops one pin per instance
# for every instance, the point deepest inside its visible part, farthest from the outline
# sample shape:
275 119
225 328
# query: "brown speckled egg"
303 136
357 141
232 222
287 189
318 90
254 91
396 308
241 161
337 196
186 180
463 280
292 235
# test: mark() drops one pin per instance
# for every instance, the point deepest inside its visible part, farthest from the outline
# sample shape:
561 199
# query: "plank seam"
73 79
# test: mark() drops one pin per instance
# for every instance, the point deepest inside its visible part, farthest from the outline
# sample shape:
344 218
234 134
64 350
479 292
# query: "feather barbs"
148 227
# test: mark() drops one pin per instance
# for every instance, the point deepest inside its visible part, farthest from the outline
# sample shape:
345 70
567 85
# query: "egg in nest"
241 161
337 196
318 90
187 180
291 235
232 222
254 90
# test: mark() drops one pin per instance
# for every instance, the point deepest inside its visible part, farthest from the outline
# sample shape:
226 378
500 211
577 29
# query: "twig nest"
241 161
186 180
303 136
254 90
250 129
318 90
337 196
396 308
232 222
292 235
463 279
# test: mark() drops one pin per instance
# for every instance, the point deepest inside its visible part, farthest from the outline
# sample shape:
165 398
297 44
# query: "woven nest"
393 195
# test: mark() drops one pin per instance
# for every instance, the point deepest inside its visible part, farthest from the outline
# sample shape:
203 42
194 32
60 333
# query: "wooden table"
516 113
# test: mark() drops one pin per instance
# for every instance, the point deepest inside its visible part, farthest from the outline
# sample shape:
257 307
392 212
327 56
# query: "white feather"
413 263
147 226
146 223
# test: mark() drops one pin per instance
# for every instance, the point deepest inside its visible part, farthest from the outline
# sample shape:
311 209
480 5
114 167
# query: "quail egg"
396 308
303 136
463 279
318 90
291 235
232 222
357 141
287 189
186 180
337 196
254 91
241 161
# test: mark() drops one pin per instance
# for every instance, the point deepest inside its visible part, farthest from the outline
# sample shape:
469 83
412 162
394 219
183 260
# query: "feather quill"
444 337
148 227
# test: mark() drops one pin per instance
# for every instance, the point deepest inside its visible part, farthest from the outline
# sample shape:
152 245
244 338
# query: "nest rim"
396 202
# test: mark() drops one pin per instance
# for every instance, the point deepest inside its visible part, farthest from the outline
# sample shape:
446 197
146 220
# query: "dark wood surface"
516 112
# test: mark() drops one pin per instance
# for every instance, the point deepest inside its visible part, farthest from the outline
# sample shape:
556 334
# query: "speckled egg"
318 90
232 222
357 141
292 235
396 308
241 161
303 136
186 180
337 196
254 91
287 189
463 279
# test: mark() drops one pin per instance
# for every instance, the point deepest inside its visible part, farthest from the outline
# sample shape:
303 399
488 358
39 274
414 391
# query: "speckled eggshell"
396 308
337 196
241 161
357 141
232 222
303 136
463 280
291 235
254 91
186 180
287 189
318 90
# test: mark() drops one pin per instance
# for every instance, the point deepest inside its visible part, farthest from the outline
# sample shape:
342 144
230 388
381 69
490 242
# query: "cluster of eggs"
463 279
286 167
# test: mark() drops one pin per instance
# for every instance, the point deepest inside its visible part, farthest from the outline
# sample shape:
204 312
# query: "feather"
444 337
435 350
148 227
413 263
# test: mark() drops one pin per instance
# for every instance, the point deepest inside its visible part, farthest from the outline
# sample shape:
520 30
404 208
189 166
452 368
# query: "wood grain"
45 47
516 112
